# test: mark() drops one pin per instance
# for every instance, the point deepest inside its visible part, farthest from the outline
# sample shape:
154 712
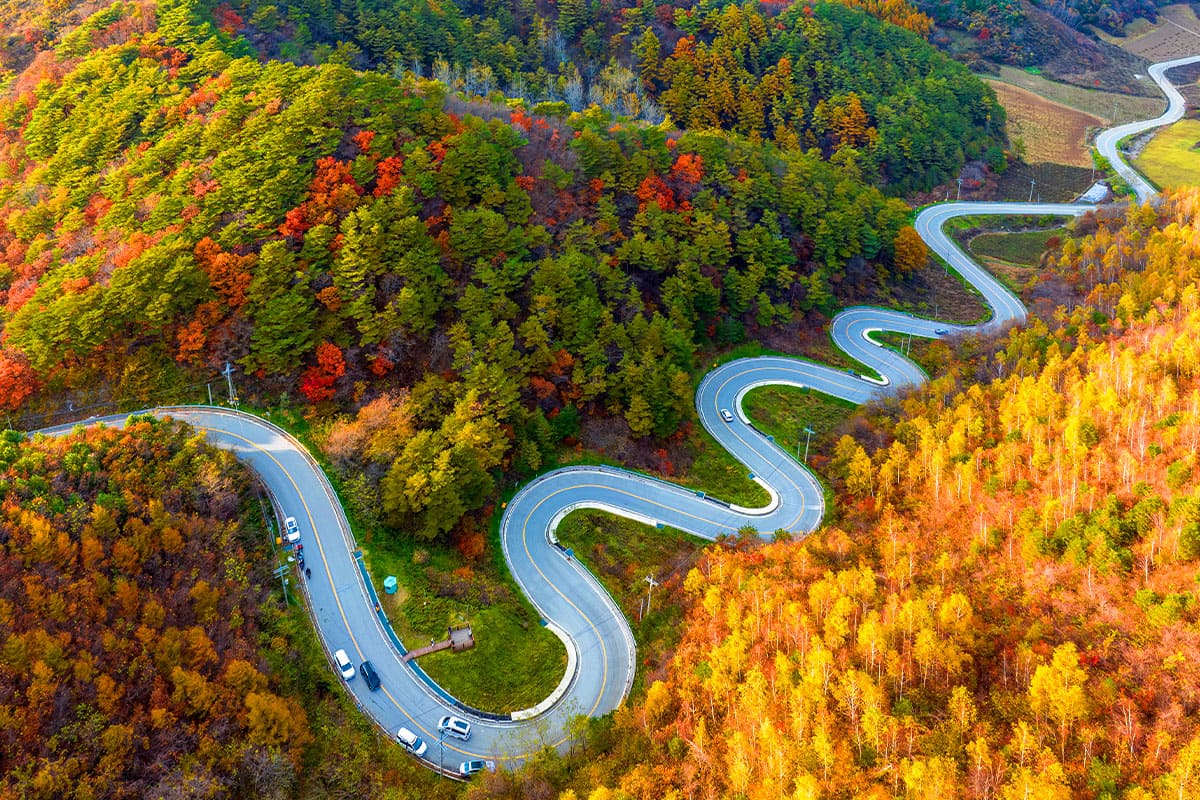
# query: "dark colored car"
367 670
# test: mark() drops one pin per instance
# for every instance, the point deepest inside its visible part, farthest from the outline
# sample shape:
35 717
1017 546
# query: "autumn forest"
451 245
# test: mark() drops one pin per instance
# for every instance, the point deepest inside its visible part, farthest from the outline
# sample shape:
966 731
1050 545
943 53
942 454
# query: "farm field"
1176 34
1023 248
1109 106
1171 157
1051 131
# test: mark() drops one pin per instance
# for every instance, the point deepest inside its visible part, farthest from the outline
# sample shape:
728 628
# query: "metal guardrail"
429 682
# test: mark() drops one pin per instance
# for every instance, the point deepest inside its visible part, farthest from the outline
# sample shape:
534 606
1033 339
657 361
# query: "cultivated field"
1109 106
1051 131
1176 34
1023 248
1171 158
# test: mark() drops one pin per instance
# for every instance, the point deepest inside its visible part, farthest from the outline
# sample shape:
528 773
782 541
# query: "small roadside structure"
1098 192
457 640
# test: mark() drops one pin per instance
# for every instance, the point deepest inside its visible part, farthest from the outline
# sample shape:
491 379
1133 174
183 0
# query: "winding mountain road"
1107 142
599 644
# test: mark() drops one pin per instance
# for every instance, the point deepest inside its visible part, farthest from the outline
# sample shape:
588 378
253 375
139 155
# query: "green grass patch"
1024 248
516 662
930 355
715 471
784 412
1172 158
507 670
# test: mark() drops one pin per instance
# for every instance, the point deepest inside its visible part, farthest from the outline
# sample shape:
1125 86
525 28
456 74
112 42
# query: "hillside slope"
1008 605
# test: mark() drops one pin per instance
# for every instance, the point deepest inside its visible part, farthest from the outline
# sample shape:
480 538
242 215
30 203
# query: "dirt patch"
1050 131
1051 183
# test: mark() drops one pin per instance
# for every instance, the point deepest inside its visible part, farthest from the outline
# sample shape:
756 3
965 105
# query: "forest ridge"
1004 607
334 234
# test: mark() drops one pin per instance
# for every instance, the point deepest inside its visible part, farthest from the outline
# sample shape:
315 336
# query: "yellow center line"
325 563
786 477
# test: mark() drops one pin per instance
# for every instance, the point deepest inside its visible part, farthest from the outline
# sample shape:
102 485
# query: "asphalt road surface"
595 634
1107 142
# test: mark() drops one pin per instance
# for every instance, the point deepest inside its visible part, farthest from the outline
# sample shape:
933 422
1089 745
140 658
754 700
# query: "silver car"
455 726
411 742
344 665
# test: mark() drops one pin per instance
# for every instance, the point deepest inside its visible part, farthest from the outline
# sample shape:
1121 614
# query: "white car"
455 726
411 742
726 415
343 662
292 530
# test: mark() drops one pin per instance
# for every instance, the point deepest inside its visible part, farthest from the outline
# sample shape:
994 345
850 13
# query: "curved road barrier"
573 604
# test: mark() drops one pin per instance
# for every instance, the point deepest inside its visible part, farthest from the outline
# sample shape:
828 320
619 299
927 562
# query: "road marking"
1006 306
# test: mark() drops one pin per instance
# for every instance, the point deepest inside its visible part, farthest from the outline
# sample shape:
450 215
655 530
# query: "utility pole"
1031 184
958 196
228 373
210 400
281 572
808 432
650 580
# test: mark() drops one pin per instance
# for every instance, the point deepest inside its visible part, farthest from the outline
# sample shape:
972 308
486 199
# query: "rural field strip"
573 604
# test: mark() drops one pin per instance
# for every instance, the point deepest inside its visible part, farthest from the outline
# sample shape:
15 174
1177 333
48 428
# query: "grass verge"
715 471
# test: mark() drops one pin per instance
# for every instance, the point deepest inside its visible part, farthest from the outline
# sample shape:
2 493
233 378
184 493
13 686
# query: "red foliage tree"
228 274
689 168
318 380
17 379
652 189
387 175
228 21
362 140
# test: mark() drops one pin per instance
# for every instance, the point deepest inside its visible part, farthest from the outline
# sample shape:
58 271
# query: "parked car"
726 415
292 530
367 670
343 662
411 742
455 726
478 765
